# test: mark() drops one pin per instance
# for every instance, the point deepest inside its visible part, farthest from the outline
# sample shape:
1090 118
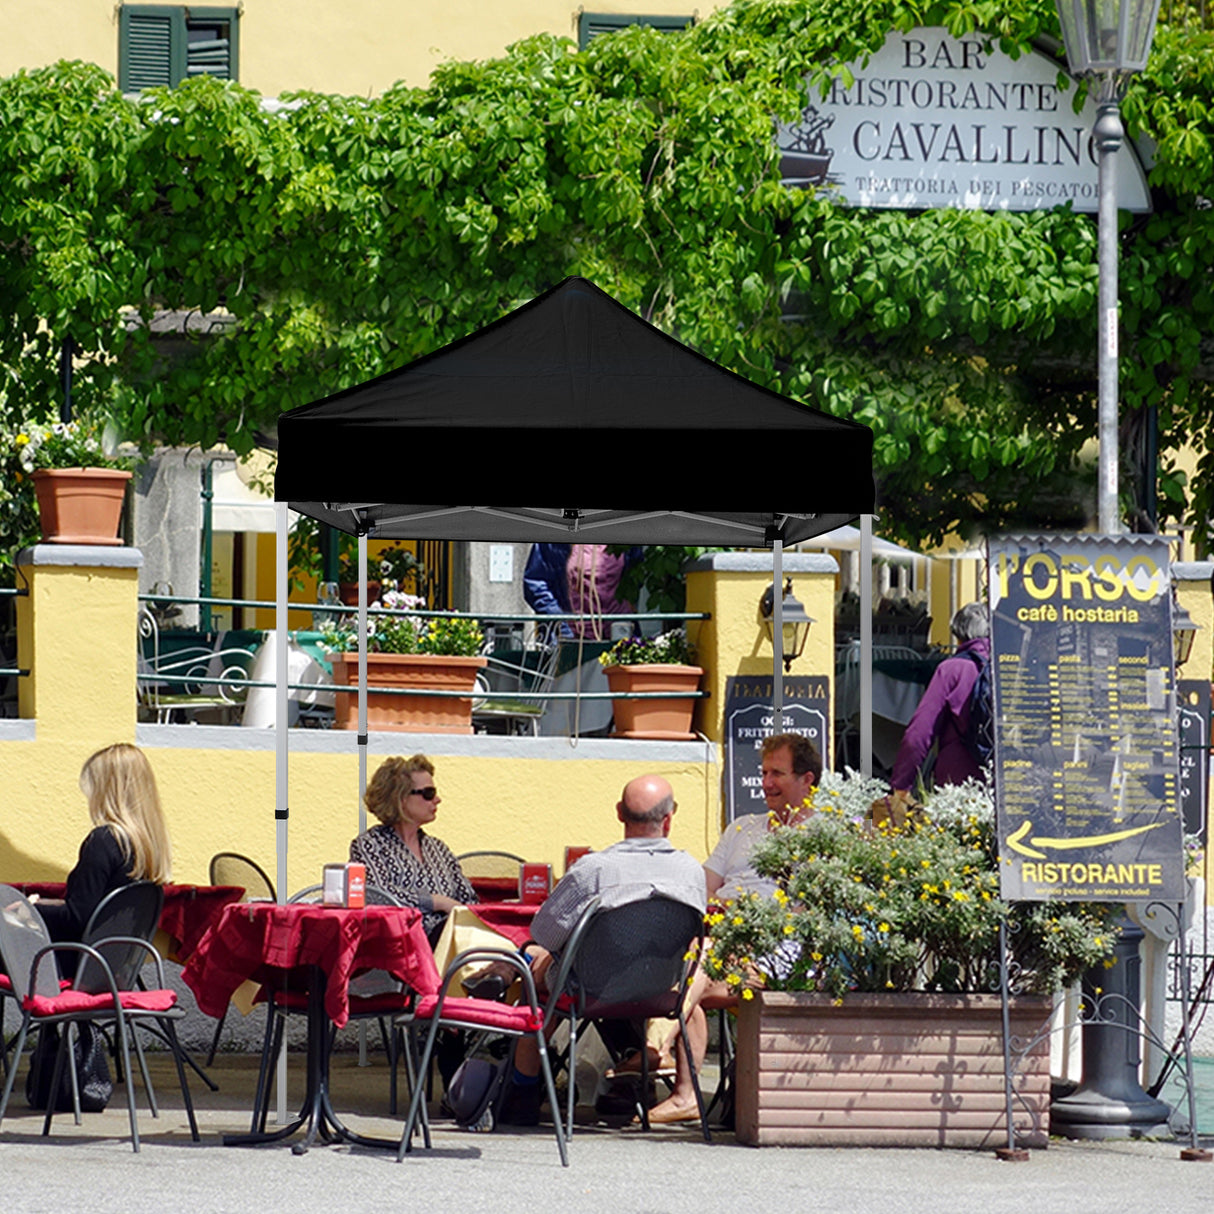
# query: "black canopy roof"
573 399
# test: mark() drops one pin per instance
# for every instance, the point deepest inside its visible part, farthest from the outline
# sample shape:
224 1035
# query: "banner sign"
1086 730
936 121
1194 756
749 720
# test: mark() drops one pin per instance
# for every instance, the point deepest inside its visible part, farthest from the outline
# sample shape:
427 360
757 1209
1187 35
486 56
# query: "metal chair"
104 990
231 868
190 680
526 1019
632 962
493 874
526 674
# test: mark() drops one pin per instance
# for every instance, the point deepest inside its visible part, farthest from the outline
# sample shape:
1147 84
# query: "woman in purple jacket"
943 715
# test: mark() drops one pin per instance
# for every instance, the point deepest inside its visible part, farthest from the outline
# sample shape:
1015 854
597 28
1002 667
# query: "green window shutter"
163 44
147 39
591 25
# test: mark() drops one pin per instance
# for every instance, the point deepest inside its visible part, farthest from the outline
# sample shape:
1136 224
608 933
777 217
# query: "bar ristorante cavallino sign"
1086 765
936 121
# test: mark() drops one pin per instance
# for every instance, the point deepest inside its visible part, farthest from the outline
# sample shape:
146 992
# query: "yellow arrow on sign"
1016 840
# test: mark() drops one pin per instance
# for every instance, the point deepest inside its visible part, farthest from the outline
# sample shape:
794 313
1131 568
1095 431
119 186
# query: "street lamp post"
1107 41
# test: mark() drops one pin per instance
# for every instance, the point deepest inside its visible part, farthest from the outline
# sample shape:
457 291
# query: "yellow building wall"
76 633
734 641
357 47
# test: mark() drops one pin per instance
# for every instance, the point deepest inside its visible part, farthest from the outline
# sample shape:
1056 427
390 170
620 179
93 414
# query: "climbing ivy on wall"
346 236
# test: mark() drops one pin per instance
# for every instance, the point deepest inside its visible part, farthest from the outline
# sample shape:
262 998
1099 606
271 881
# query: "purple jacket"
944 715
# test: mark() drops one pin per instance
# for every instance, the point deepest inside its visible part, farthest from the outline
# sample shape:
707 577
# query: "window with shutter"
161 44
591 25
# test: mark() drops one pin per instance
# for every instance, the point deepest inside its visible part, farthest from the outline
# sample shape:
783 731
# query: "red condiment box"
345 885
534 882
574 854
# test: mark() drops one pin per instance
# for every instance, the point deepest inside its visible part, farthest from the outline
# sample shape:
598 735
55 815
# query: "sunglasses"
426 794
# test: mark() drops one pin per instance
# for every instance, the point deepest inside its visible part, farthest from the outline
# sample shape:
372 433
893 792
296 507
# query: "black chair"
491 873
231 868
632 962
104 990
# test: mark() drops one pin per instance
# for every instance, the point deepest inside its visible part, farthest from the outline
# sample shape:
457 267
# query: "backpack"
474 1091
980 735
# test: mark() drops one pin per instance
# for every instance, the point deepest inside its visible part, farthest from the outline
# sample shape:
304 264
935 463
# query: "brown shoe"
662 1067
661 1115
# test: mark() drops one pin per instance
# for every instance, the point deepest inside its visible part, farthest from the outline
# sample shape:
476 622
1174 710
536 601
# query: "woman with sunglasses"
400 857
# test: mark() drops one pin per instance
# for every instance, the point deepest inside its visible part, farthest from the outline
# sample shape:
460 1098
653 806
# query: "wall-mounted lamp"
1184 633
796 623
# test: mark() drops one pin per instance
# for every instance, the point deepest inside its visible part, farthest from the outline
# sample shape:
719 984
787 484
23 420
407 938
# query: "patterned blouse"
393 867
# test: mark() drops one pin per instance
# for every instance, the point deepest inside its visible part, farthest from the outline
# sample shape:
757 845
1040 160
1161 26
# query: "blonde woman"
129 840
400 856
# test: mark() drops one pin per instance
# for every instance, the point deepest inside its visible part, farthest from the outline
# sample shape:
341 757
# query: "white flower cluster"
849 792
955 805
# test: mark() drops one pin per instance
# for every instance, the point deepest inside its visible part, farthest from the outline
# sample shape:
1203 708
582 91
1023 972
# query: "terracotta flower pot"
417 714
888 1070
348 592
657 718
80 505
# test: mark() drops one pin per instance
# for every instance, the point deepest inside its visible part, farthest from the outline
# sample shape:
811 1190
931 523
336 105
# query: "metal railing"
325 612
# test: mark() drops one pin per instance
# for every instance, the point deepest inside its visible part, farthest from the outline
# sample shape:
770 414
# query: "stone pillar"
729 585
76 632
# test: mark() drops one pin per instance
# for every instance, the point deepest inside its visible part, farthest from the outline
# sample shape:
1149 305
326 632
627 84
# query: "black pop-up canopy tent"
533 408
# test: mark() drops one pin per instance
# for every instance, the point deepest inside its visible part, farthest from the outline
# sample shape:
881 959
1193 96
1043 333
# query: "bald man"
643 864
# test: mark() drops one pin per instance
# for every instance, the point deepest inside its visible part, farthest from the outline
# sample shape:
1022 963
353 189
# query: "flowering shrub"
63 445
869 908
450 636
670 648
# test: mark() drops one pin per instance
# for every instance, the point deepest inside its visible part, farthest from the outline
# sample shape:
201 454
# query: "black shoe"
520 1105
486 986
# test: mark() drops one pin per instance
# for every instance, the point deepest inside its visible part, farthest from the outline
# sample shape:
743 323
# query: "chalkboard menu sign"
1086 737
748 720
1194 699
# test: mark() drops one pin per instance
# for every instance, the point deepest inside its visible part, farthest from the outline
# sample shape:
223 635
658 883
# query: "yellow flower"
733 980
21 440
737 921
747 993
816 956
789 929
883 927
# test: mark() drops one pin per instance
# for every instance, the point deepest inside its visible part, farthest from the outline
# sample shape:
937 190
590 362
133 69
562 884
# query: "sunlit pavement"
92 1167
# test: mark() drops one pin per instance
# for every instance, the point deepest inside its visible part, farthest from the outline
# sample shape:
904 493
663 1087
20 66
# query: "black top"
101 868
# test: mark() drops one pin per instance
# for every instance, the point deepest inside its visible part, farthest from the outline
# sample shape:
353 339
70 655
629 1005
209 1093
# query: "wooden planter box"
417 714
669 720
896 1070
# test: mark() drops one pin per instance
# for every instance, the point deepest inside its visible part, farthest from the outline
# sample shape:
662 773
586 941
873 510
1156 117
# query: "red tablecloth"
509 919
260 940
189 910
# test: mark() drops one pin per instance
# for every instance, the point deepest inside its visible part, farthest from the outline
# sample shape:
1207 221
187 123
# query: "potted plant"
662 663
407 650
79 488
391 568
867 1010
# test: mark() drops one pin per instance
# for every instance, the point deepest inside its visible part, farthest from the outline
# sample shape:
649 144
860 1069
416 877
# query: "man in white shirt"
791 769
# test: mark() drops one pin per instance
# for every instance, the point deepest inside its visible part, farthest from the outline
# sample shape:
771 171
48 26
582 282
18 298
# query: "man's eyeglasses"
426 794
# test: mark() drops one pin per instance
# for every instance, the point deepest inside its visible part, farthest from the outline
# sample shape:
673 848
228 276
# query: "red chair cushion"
69 1002
483 1013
